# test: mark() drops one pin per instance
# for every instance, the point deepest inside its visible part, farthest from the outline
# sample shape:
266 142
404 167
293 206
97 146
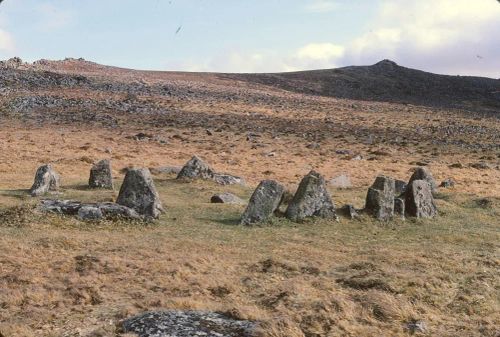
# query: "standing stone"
400 187
101 175
139 193
422 173
264 201
399 207
46 179
311 199
380 198
419 200
196 168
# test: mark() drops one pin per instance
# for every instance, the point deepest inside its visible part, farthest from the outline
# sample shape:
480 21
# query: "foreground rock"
196 168
264 201
422 173
138 192
419 201
349 211
226 198
380 198
187 324
311 199
46 179
89 211
101 175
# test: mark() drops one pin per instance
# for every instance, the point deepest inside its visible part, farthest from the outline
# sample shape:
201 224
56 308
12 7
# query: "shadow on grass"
20 194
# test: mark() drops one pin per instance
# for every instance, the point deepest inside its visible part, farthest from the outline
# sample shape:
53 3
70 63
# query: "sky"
456 37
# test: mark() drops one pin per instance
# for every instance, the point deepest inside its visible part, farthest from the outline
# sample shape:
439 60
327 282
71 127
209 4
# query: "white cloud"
321 51
6 41
321 6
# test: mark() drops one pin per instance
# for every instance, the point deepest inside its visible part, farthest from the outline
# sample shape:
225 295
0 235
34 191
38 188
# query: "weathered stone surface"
196 168
380 198
419 201
226 198
46 179
139 193
71 207
264 201
101 175
400 187
90 213
399 207
343 181
187 324
349 212
447 183
311 199
422 173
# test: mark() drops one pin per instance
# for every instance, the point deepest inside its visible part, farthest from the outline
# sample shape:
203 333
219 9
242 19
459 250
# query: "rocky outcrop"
380 198
46 179
226 198
101 175
138 192
187 324
419 201
311 200
264 201
196 168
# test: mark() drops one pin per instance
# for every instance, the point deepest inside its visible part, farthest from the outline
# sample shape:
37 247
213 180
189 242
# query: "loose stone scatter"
139 193
187 324
101 175
264 201
311 200
46 179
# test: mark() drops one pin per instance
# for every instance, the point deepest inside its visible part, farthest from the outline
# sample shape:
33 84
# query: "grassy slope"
62 277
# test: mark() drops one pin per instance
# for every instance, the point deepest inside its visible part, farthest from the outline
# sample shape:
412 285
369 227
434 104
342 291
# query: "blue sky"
446 36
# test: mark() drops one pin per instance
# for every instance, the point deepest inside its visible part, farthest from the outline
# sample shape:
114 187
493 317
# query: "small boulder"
447 183
399 208
139 193
400 187
227 179
196 168
342 182
46 179
101 175
422 173
349 212
226 198
89 213
380 198
264 201
311 199
419 201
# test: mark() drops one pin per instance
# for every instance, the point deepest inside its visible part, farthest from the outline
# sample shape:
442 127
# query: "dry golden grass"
63 277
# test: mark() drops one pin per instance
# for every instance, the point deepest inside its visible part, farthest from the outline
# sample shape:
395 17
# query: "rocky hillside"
386 81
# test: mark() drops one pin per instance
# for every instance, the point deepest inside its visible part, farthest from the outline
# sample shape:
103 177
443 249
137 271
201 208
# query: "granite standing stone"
101 175
264 201
46 179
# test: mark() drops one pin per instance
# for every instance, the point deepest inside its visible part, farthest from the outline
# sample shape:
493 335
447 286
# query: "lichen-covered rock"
107 210
400 187
187 324
349 211
101 175
226 198
264 201
419 201
46 179
227 179
399 207
380 198
196 168
139 193
422 173
311 200
89 213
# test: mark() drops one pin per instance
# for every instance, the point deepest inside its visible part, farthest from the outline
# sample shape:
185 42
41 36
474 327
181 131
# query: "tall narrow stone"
380 198
101 175
419 201
46 179
138 192
265 200
311 199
